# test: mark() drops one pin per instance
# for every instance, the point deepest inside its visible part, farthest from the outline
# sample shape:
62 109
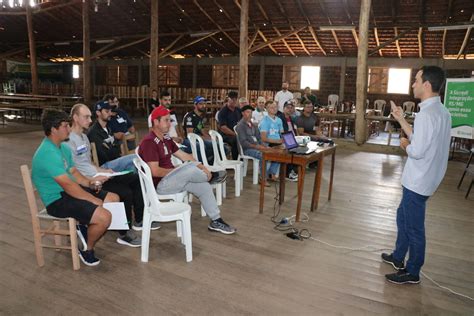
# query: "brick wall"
273 77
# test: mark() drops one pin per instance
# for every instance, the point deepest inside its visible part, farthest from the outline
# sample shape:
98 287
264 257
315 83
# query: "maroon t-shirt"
153 149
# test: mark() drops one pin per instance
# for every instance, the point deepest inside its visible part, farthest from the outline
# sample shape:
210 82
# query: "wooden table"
284 157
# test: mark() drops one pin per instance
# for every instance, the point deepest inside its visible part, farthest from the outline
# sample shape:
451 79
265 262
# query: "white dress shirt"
281 97
429 148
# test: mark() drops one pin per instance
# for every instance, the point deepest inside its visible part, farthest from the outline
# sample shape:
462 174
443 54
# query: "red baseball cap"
158 112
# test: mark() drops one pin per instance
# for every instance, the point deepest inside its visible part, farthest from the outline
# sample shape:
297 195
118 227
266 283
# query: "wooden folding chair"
124 147
54 229
95 158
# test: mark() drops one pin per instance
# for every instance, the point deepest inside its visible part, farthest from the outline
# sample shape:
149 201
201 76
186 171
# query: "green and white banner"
459 100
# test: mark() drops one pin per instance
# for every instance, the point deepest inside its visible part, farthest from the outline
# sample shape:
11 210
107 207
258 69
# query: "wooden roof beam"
284 41
420 42
265 41
397 43
376 33
172 44
315 38
215 23
276 39
356 38
120 47
252 40
337 41
283 12
301 42
390 41
163 55
466 39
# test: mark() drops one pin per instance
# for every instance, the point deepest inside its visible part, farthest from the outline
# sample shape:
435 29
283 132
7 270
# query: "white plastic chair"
154 210
220 159
379 105
219 187
246 159
408 106
333 100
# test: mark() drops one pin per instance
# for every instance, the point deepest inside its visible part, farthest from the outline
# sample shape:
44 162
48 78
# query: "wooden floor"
258 270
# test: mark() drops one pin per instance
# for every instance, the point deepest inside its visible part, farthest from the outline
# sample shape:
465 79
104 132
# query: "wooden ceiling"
314 25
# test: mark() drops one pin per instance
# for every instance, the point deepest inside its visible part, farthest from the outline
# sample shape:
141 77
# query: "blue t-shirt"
120 123
49 162
273 127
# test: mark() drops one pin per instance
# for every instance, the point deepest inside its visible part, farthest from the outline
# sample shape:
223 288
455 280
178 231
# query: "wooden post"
195 70
31 40
244 48
342 80
261 85
361 85
86 54
154 46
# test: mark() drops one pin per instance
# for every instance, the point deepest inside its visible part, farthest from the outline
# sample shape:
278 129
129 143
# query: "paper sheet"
113 174
119 218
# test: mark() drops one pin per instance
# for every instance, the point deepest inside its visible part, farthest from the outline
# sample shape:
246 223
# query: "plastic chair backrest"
408 106
193 139
239 146
150 197
217 146
379 104
333 99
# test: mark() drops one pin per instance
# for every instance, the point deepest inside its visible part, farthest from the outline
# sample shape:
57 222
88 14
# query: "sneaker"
388 258
129 239
293 176
218 177
88 258
82 235
139 226
219 225
402 277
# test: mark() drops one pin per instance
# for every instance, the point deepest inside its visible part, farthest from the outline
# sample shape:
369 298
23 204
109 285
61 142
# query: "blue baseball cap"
199 99
102 105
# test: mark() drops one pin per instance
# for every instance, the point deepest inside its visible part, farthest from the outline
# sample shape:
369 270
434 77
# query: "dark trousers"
411 231
232 141
127 187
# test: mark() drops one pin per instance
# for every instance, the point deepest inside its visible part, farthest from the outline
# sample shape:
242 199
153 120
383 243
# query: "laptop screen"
289 140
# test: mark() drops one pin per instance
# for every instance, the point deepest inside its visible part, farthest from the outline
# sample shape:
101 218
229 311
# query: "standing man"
282 96
427 147
156 149
193 122
228 117
63 189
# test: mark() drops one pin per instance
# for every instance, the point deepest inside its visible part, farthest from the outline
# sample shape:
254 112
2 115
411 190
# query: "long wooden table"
284 157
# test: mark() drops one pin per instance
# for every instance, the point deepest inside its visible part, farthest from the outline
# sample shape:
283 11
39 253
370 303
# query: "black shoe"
88 258
218 177
403 277
388 258
82 234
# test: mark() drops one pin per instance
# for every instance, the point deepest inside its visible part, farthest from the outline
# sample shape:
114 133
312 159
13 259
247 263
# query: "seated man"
153 102
156 150
252 145
63 189
271 126
308 123
289 126
119 123
193 122
174 132
228 117
127 186
260 111
108 149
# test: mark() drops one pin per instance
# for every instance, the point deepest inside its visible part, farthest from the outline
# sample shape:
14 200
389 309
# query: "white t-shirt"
281 97
257 116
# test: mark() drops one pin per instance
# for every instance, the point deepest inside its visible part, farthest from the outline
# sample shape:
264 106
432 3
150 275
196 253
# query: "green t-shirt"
49 162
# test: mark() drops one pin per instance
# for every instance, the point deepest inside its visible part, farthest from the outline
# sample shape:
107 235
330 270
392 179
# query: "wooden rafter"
337 41
377 41
252 40
390 41
172 44
120 47
163 55
356 38
301 42
279 38
57 6
265 40
466 39
283 12
397 43
420 42
284 41
106 47
449 13
444 43
215 23
19 50
315 38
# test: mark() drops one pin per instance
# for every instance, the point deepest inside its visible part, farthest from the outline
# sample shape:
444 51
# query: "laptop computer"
292 146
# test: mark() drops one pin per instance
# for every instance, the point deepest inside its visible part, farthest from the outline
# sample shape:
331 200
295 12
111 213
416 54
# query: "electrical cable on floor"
285 224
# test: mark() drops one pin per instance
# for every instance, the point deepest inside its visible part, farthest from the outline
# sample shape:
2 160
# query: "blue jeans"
273 168
411 231
120 164
207 148
188 177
